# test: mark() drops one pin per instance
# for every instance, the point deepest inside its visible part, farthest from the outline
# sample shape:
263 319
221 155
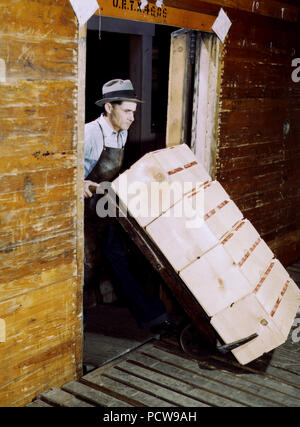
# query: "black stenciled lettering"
115 3
164 12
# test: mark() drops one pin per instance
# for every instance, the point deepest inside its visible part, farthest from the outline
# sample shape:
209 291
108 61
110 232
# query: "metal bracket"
229 347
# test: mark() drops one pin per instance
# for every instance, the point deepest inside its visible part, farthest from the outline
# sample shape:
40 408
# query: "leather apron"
106 169
95 228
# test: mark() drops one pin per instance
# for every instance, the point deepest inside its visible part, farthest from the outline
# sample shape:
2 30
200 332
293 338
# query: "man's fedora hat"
117 90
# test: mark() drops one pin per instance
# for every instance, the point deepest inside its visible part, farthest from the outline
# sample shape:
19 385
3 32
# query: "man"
105 139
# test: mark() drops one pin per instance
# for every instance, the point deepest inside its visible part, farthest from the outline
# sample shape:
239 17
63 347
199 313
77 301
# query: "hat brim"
103 101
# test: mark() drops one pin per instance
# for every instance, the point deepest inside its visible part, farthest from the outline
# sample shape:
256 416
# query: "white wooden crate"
182 237
244 318
217 253
168 173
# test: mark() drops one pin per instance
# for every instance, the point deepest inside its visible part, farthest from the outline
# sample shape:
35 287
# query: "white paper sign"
221 25
84 9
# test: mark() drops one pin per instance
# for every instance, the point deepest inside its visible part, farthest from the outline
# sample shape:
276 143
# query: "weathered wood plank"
38 404
276 374
124 392
58 397
96 397
256 385
31 233
78 189
39 129
37 199
51 273
54 120
281 361
21 390
244 90
217 392
179 77
228 365
45 320
41 180
28 94
177 384
243 387
53 264
42 60
36 250
256 79
38 20
292 346
35 144
273 9
262 35
166 15
153 388
37 161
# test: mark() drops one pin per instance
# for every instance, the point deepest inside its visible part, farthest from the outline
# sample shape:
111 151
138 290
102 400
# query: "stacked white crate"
218 254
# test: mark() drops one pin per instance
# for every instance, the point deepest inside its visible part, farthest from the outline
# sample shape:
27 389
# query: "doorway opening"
139 52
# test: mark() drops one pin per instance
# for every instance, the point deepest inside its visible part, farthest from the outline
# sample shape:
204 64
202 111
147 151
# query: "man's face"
121 115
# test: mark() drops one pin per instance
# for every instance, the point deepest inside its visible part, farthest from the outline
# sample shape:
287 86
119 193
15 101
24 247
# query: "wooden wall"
258 154
40 223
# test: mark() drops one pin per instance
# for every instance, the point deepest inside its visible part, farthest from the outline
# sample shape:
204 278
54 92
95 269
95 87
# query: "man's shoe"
164 328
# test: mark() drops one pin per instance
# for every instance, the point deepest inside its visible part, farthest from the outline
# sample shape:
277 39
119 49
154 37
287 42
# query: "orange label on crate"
227 238
239 226
248 253
263 278
279 299
221 205
209 214
188 165
245 257
175 171
255 244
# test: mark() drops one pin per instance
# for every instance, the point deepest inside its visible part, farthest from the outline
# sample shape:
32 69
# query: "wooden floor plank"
125 392
280 361
292 346
272 370
95 397
231 366
38 404
222 393
77 403
150 387
180 386
58 397
160 374
253 392
291 355
259 377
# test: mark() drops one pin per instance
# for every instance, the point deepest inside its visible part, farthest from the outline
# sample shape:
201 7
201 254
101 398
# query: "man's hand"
89 188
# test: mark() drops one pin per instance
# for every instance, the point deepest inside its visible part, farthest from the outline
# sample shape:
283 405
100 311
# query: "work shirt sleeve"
93 146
